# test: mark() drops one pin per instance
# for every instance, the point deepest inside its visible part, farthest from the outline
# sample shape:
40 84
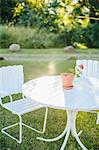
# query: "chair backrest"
91 68
11 79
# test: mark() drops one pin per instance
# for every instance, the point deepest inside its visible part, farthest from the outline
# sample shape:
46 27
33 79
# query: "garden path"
44 57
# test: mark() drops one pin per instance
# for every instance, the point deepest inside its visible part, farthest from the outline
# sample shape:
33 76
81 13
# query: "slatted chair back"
11 79
91 68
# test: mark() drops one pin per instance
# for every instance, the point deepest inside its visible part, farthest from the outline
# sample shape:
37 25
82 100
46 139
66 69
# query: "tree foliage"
6 10
65 17
54 15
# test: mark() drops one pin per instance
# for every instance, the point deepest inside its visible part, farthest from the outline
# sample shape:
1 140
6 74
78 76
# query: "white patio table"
84 96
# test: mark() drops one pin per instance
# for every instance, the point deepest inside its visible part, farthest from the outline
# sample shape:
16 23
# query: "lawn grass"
34 51
33 69
56 118
47 51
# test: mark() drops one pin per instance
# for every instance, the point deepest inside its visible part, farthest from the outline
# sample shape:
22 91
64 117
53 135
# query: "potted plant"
67 80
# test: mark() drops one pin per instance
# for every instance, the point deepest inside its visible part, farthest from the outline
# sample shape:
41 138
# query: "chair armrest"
3 94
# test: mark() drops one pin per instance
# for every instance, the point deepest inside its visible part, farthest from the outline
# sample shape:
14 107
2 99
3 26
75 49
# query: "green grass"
41 68
33 51
56 118
47 51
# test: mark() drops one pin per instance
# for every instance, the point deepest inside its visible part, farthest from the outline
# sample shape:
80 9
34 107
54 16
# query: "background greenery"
49 23
34 38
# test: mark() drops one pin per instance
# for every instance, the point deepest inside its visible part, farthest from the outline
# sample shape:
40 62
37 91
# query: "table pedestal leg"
73 129
71 126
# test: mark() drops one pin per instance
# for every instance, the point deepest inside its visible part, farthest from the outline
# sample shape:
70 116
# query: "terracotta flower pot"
67 80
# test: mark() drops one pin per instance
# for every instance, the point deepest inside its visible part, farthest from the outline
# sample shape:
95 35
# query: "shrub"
34 38
5 37
28 37
64 38
91 35
87 36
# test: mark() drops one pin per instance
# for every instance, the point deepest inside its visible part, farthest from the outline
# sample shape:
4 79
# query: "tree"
6 10
87 8
28 13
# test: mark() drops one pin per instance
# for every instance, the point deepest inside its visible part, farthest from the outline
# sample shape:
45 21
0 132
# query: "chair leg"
44 125
97 122
20 130
45 120
20 124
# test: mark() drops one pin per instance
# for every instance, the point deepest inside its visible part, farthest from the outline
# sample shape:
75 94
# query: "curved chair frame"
9 76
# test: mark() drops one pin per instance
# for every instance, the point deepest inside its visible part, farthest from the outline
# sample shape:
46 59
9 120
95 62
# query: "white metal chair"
91 69
11 81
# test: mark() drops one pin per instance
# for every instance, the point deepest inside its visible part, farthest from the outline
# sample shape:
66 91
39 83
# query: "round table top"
48 91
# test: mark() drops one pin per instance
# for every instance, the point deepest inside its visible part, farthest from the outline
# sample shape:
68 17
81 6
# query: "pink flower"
79 69
81 66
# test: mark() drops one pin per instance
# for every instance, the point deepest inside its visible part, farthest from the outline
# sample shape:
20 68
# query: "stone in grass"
14 47
69 49
1 58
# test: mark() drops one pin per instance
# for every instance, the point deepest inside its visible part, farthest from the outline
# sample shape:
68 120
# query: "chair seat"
22 106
